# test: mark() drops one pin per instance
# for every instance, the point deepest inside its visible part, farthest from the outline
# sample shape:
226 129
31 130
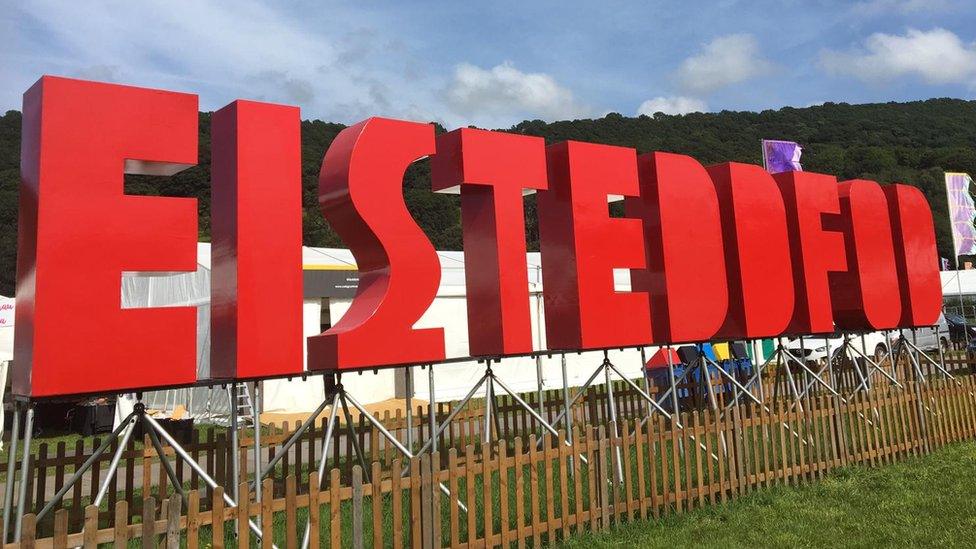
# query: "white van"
927 338
814 347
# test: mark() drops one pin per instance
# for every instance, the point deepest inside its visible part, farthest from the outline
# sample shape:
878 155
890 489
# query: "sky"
493 64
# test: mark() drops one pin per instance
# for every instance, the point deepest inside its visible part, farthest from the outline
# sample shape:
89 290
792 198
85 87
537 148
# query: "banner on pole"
781 156
962 213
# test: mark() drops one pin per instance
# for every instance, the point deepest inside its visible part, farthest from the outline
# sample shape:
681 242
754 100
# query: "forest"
913 143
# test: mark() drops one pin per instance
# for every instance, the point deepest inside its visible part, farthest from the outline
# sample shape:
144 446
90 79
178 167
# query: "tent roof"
953 281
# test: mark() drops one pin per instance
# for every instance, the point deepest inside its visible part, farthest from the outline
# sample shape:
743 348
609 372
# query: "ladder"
244 405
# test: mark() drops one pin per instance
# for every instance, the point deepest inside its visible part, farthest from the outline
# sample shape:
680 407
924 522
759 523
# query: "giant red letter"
916 256
361 194
78 232
757 252
863 295
814 252
679 208
256 213
492 168
582 245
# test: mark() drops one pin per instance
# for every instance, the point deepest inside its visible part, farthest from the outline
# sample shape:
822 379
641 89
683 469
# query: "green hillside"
912 143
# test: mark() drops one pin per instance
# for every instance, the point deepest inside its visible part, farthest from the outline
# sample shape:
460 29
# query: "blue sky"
494 64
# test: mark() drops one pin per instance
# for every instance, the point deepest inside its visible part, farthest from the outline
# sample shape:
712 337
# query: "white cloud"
937 56
504 93
872 8
257 50
672 105
724 61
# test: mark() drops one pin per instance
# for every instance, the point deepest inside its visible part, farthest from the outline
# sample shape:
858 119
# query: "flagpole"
955 257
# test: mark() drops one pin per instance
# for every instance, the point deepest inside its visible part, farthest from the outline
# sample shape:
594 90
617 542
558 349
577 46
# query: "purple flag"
962 212
781 156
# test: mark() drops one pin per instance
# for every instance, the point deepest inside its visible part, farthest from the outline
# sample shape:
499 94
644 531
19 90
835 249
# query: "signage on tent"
725 252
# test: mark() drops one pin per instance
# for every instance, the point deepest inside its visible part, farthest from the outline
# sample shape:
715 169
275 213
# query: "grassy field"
928 501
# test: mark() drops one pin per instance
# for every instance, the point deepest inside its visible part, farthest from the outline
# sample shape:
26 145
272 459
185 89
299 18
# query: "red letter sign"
757 252
685 275
581 245
916 256
361 194
863 296
815 252
78 232
492 168
256 280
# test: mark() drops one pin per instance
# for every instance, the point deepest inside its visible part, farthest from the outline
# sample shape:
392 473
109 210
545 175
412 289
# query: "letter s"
361 195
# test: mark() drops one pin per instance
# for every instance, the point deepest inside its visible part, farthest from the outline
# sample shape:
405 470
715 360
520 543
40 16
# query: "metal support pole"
322 461
613 419
735 382
758 376
408 402
195 466
674 384
167 466
24 471
295 437
864 353
351 432
938 341
114 464
489 397
868 361
647 382
450 417
703 364
84 468
256 405
569 416
803 362
235 466
8 489
540 384
432 402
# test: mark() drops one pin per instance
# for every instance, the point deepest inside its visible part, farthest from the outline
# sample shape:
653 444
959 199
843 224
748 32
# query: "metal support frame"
11 470
337 398
408 403
257 404
235 458
121 434
8 490
782 356
914 352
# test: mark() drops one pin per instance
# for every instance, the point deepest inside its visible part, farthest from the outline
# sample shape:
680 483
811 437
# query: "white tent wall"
181 290
298 395
452 381
6 350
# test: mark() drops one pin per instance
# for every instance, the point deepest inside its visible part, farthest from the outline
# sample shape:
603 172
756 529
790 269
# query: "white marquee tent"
6 349
297 395
447 311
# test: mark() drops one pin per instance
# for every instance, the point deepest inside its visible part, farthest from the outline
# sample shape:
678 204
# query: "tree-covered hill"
912 143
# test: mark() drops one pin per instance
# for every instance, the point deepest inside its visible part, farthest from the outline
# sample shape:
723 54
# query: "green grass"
927 501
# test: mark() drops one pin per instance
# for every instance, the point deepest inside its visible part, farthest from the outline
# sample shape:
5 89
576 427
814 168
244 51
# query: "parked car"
958 327
874 344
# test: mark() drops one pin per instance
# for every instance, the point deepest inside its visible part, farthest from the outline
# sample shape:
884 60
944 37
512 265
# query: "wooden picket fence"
140 472
541 491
